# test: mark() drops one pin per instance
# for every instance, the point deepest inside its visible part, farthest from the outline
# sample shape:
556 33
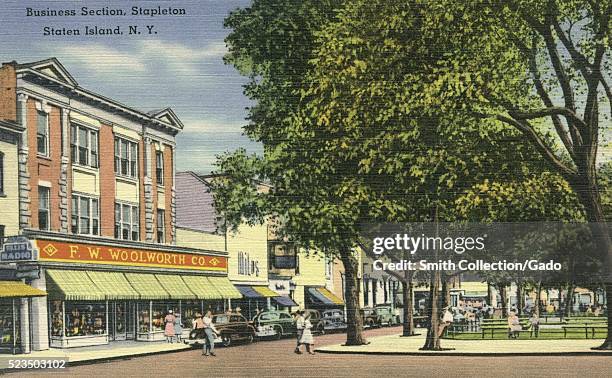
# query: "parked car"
315 320
370 319
231 327
274 324
333 320
385 315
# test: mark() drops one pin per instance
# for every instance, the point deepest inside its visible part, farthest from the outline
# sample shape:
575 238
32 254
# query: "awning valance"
147 286
114 285
324 296
16 289
175 286
265 292
256 291
225 288
202 287
72 285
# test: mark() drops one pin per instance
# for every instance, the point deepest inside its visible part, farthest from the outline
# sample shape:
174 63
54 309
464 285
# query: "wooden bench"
586 327
504 328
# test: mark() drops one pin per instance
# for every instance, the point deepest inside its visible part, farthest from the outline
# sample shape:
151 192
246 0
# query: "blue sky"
181 66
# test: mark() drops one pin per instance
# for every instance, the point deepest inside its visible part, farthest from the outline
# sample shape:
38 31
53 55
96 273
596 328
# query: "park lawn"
544 335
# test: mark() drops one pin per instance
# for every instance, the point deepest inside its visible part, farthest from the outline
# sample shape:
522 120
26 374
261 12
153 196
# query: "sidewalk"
114 350
397 345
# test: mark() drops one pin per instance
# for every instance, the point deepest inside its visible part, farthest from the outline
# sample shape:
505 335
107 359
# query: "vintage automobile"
315 320
385 314
274 324
370 319
333 320
231 327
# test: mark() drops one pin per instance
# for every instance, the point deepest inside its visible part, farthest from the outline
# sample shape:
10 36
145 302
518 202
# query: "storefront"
14 304
259 298
100 292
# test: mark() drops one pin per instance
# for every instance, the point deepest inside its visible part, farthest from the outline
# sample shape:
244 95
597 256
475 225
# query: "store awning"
72 285
264 291
17 289
324 296
285 301
114 285
147 286
225 287
202 287
249 291
175 286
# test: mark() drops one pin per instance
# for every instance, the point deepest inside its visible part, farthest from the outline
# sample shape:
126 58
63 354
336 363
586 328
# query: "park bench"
586 326
501 327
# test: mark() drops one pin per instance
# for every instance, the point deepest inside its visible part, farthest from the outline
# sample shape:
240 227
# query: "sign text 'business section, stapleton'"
51 250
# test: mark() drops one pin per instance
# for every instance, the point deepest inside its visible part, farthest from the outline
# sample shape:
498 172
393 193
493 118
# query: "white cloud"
101 59
199 126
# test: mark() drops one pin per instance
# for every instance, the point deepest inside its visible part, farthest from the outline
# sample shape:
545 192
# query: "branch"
555 110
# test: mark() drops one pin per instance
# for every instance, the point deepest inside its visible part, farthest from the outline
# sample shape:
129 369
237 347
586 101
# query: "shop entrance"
122 320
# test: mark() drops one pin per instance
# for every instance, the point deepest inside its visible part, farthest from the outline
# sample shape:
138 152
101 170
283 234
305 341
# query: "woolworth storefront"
100 290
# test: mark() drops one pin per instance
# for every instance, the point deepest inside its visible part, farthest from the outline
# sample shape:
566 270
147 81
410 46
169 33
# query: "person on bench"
534 322
514 326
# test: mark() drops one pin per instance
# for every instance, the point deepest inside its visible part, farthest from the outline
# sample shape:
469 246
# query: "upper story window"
159 167
126 221
126 158
2 236
43 207
161 226
84 145
85 215
42 133
1 173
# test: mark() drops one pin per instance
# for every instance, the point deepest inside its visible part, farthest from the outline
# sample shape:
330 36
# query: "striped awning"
114 285
324 296
225 287
72 285
147 286
175 286
17 289
285 301
202 287
264 291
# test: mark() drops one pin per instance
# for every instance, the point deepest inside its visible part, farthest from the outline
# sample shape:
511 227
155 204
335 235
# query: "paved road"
276 358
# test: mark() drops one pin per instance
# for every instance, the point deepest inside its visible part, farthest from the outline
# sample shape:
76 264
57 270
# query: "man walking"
299 325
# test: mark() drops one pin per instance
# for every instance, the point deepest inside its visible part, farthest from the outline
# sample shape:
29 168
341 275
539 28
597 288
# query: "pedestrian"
209 331
447 320
534 321
307 338
514 325
169 328
299 325
178 328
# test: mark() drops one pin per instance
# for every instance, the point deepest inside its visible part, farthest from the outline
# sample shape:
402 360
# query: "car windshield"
220 319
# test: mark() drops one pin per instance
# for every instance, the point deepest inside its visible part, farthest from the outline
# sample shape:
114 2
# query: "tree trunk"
432 342
490 295
538 298
519 294
504 302
354 329
408 324
569 299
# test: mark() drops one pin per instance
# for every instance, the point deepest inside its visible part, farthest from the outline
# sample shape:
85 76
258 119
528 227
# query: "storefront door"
119 320
131 321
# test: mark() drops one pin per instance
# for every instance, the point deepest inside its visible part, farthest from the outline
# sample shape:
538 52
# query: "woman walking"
209 332
178 327
307 338
169 328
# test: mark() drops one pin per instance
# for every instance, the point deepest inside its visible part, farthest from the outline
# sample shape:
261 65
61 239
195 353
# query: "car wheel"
250 338
226 340
322 330
279 332
371 324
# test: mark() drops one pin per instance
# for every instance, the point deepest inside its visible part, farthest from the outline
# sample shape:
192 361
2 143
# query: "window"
161 228
159 167
126 221
85 215
83 146
1 173
42 133
43 208
126 156
2 236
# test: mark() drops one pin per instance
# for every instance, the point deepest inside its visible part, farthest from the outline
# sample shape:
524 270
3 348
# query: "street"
276 358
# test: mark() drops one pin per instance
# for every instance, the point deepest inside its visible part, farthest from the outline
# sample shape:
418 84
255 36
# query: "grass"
544 335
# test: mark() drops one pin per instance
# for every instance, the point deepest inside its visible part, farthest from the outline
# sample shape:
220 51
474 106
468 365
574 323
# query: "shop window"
43 208
126 157
161 226
57 318
85 215
83 146
126 221
42 133
1 173
159 167
85 319
2 235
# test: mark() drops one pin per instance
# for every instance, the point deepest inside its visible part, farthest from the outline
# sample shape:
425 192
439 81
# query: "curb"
468 354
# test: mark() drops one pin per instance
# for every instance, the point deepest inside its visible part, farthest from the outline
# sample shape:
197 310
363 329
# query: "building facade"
95 238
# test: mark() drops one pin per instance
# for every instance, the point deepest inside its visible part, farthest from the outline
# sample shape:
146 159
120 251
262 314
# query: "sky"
181 66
